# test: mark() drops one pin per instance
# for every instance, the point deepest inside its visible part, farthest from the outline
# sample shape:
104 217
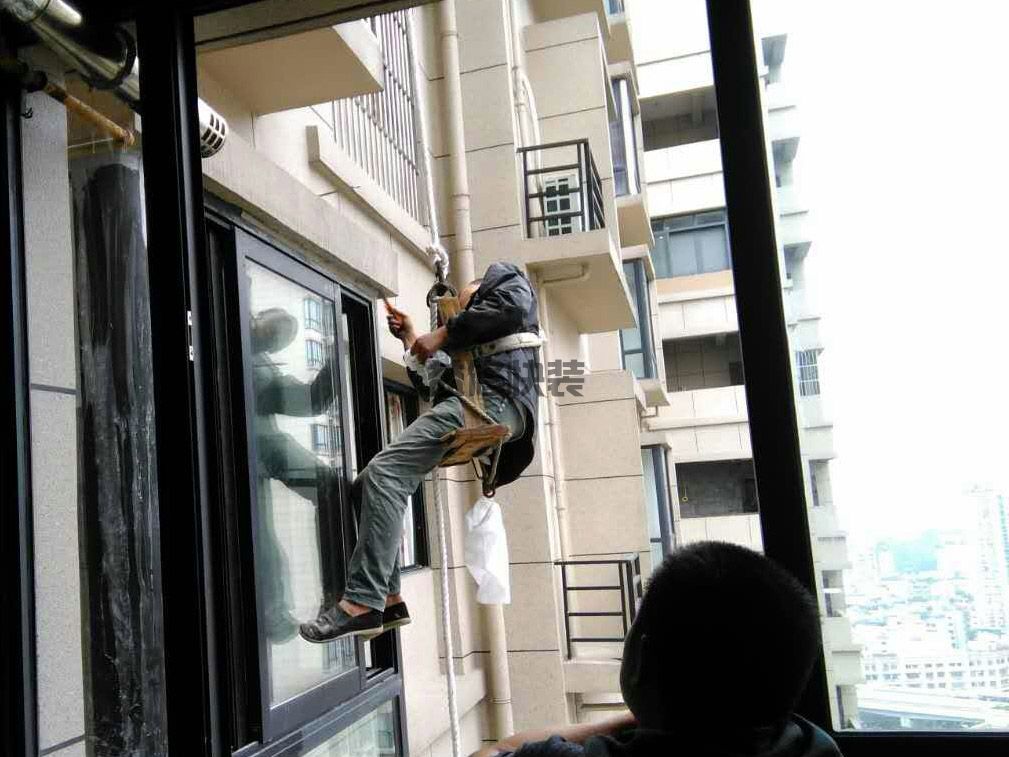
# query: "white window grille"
809 372
564 204
313 314
313 353
378 131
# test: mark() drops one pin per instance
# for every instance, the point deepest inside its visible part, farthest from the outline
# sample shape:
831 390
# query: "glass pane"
396 423
374 735
298 547
652 498
660 254
683 254
635 363
909 498
97 592
712 248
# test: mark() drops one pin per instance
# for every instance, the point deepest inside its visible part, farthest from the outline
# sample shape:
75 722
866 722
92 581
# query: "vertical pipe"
560 487
500 683
464 265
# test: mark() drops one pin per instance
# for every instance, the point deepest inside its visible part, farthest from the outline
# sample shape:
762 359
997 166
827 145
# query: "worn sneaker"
334 623
395 616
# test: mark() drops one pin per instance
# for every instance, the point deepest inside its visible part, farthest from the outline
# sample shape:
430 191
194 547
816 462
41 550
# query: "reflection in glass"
374 735
397 422
299 551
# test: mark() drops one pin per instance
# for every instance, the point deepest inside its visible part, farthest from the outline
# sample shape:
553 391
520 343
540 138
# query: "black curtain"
119 506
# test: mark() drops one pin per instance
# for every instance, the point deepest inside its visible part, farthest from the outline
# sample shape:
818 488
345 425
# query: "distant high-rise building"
705 424
990 579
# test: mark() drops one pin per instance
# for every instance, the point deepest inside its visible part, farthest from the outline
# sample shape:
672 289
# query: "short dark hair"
726 638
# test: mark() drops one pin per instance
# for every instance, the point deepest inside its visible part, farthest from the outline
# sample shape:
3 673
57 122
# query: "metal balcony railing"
563 193
628 590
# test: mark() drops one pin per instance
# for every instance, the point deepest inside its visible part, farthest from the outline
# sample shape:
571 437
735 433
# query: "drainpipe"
525 104
553 413
503 723
464 265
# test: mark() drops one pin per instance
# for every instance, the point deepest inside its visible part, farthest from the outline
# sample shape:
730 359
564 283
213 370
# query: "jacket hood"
496 275
799 738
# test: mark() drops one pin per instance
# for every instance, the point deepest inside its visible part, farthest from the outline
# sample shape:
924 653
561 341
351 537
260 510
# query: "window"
691 244
374 735
703 363
809 374
401 410
322 438
657 512
624 141
285 508
714 489
562 200
313 353
313 314
636 343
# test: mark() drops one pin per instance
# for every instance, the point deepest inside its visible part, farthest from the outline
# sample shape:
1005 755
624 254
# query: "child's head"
724 639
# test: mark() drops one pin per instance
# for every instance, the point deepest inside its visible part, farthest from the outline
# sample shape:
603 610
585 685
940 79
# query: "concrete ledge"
326 156
269 195
591 676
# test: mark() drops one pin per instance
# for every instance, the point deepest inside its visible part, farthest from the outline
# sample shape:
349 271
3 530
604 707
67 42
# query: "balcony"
549 10
618 45
682 74
791 200
831 552
601 598
818 442
685 178
795 229
783 124
282 72
567 238
702 407
743 530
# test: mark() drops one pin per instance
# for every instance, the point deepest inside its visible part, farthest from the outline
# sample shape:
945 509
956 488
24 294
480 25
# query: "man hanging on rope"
499 305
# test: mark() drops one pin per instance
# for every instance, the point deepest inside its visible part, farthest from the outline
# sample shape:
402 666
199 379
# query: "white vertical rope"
446 616
441 268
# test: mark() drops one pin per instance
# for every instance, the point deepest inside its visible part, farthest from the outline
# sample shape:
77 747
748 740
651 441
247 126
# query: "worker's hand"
428 344
400 325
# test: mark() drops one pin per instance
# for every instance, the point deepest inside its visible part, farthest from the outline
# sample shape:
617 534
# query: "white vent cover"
213 130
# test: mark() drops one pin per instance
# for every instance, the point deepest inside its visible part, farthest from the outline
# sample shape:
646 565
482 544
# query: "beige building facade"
527 117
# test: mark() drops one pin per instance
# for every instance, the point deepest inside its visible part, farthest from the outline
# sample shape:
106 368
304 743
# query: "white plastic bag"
430 370
486 552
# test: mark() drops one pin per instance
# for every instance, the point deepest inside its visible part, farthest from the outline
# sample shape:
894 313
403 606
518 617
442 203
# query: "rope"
446 617
441 279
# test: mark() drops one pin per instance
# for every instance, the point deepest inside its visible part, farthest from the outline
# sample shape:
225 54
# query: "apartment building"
697 355
321 134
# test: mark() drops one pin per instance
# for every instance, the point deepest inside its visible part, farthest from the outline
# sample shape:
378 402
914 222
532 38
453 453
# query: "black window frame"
254 726
281 718
670 226
638 283
421 536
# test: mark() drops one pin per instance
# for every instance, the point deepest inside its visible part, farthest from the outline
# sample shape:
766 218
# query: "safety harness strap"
519 341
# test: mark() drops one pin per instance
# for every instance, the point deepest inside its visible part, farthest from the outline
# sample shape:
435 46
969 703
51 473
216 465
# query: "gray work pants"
386 483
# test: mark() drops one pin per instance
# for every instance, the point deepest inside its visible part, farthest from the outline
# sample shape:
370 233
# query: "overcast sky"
904 160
